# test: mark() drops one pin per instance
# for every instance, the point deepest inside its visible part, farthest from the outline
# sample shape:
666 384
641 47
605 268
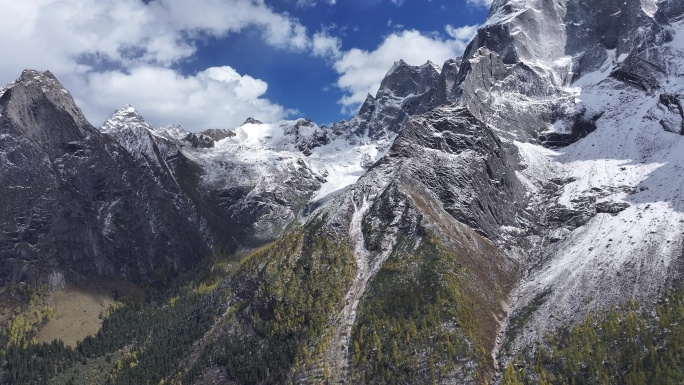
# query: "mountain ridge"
442 235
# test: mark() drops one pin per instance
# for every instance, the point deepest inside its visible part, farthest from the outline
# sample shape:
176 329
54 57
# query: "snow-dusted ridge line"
627 178
268 147
338 163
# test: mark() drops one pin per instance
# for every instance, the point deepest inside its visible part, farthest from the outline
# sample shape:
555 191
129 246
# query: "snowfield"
268 148
261 152
630 160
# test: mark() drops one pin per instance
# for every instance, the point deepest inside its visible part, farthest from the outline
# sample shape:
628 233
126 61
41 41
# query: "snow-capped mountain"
462 216
73 202
263 176
609 212
406 90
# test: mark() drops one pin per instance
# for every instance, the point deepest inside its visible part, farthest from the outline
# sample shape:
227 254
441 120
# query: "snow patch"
650 7
678 38
629 162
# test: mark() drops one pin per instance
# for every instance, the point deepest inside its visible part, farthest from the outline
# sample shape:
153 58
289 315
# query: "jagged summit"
396 65
251 120
218 133
126 117
564 42
404 91
433 65
404 80
44 78
66 211
462 216
38 107
173 132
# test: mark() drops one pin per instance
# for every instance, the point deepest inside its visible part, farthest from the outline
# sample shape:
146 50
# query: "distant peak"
126 117
251 120
397 64
128 111
29 74
432 65
176 129
46 80
5 88
217 133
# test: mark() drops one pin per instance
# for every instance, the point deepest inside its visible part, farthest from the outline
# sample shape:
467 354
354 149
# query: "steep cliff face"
262 177
599 83
425 215
464 214
406 90
520 67
158 153
73 203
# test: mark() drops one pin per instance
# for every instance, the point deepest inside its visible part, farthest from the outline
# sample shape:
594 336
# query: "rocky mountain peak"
565 39
669 11
251 120
127 117
447 77
403 80
433 65
37 107
45 79
174 132
405 90
218 134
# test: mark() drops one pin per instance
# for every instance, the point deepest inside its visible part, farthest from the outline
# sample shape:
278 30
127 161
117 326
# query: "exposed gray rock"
447 175
562 42
218 134
237 209
199 140
447 78
251 120
159 154
73 202
463 163
406 90
307 142
670 112
592 78
611 207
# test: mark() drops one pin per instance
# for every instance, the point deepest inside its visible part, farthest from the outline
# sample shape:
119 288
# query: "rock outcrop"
73 200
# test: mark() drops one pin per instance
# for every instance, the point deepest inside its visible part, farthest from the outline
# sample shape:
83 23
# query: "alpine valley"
514 216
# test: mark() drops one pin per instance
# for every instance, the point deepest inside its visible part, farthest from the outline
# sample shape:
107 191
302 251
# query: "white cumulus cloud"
98 46
326 46
480 3
112 52
463 34
215 97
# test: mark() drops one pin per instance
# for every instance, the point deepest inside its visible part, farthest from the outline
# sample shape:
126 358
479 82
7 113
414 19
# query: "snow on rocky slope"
600 84
264 175
277 165
590 95
277 147
66 212
554 148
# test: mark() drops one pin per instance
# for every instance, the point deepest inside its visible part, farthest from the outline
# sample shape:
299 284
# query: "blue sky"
213 63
